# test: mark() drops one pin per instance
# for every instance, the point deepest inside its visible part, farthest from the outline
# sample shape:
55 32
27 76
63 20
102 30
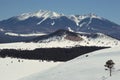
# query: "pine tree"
110 64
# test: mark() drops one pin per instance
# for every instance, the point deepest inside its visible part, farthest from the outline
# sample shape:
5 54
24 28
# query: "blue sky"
109 9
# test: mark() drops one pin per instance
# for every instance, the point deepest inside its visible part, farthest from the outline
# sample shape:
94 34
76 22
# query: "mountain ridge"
48 22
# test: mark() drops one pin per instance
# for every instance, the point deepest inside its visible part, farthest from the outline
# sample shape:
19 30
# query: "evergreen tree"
110 64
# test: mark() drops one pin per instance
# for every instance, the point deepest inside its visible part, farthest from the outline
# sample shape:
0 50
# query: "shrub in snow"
18 60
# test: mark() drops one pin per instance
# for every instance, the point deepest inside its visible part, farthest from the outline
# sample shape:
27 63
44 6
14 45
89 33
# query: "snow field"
83 68
13 69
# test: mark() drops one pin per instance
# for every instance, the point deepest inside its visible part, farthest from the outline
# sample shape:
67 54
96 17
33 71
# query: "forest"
49 54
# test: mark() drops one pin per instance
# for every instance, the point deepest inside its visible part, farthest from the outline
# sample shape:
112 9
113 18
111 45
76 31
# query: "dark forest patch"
49 54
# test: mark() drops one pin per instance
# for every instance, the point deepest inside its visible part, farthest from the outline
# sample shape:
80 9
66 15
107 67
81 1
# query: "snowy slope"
11 69
45 14
81 38
64 42
53 15
42 13
64 38
100 40
83 68
78 18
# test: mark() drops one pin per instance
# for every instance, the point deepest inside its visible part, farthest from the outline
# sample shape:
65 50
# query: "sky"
109 9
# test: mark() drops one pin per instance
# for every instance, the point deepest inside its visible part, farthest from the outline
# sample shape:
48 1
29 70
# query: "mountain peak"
40 13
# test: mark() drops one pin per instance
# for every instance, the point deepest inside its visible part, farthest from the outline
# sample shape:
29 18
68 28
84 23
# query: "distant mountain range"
48 22
29 25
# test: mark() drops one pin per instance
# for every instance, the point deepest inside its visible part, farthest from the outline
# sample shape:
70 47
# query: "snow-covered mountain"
44 21
64 39
86 67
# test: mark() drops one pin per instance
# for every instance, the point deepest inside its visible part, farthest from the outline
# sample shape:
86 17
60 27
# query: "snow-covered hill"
83 39
13 69
86 67
64 39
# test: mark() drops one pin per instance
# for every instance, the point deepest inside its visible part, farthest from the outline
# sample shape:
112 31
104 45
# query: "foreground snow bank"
12 69
83 68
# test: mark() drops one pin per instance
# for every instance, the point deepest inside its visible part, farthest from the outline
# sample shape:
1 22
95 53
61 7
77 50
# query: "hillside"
82 67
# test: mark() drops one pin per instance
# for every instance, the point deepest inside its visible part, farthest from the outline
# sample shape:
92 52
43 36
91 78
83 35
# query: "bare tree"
110 64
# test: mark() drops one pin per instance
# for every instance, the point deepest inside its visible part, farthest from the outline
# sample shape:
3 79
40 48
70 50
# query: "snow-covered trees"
110 64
